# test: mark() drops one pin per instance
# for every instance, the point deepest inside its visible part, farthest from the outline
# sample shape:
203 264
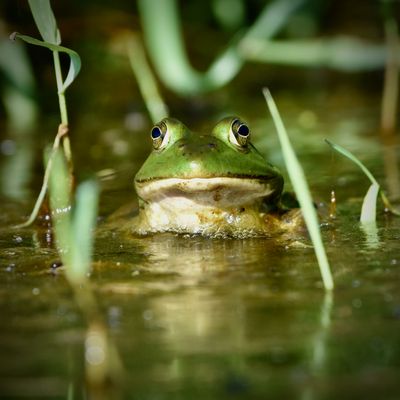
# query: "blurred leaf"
60 204
75 60
164 41
300 186
83 224
146 80
73 230
45 20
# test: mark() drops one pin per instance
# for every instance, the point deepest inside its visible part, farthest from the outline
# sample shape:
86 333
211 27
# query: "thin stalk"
63 106
391 83
61 94
146 80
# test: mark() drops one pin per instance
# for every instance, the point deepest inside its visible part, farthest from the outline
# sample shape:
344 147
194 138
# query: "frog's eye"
159 135
239 133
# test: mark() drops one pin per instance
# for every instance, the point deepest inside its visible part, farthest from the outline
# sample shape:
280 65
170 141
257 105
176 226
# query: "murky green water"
198 318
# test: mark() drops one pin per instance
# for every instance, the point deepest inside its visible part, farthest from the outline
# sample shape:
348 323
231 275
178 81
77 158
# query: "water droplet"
18 239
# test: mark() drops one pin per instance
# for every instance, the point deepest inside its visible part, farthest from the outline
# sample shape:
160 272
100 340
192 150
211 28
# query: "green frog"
216 185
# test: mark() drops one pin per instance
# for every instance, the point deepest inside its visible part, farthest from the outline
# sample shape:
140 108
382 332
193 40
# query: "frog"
216 184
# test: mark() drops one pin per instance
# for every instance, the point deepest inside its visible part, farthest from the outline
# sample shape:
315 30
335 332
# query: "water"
193 317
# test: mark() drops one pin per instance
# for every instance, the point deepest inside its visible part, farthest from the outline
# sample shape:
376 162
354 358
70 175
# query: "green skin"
214 155
186 155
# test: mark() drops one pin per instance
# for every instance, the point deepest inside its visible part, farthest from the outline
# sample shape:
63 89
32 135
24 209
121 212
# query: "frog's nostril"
211 145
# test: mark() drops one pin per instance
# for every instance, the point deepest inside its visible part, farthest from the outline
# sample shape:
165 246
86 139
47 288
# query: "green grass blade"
302 191
75 60
45 20
366 171
353 158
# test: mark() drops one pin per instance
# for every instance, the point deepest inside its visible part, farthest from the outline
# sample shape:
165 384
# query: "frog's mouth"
213 192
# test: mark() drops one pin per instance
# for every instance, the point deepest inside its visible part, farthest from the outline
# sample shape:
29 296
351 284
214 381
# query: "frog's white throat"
201 205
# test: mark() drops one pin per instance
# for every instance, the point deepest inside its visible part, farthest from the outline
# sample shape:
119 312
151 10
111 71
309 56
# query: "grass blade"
366 171
302 191
45 20
75 60
353 158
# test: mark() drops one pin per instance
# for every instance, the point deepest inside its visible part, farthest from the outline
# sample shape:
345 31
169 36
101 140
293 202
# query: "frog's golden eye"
240 133
159 135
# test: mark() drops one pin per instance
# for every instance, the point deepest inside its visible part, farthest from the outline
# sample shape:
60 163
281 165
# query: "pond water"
193 317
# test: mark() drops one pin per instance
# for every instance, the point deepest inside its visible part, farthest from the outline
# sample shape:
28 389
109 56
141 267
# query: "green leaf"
75 60
45 20
300 186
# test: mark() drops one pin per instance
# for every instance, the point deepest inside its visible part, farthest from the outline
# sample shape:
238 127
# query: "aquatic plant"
164 41
145 79
47 26
300 186
74 221
368 212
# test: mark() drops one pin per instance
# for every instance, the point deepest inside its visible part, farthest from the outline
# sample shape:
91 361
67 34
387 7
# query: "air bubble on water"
18 239
10 267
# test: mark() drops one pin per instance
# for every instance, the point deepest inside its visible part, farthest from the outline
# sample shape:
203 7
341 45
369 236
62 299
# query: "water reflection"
225 314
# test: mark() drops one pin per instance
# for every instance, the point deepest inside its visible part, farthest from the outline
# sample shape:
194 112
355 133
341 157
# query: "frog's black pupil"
243 130
156 132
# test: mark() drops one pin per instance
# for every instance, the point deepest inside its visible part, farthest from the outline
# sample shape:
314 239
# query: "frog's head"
220 169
